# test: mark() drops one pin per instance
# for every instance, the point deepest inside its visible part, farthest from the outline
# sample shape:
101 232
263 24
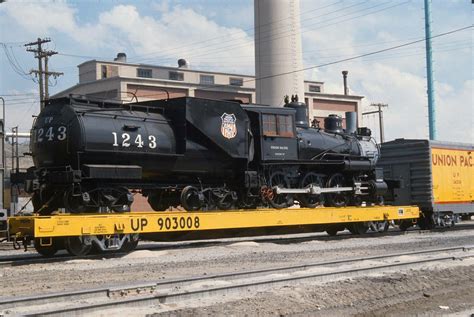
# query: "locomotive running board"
63 225
316 190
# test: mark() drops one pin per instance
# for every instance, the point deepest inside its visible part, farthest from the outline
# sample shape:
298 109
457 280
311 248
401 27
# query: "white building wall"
88 72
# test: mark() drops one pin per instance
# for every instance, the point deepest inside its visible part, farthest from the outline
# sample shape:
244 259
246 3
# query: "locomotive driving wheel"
312 200
279 201
337 199
161 199
191 198
122 199
73 201
156 202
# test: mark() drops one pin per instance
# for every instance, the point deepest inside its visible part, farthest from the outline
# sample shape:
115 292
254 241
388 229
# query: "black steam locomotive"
92 156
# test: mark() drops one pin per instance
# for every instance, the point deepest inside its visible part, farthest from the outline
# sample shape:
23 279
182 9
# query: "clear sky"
217 35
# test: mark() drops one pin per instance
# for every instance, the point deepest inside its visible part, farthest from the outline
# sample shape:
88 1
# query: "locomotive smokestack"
351 122
344 77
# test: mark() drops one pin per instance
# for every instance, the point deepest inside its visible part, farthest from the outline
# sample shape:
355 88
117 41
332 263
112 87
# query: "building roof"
338 96
177 68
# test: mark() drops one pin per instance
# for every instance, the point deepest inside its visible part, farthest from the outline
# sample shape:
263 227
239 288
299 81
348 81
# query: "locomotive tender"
91 155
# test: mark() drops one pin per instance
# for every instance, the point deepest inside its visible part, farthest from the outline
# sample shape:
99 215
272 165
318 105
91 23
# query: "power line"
227 36
338 61
439 46
19 99
364 55
284 33
198 42
16 67
22 94
267 39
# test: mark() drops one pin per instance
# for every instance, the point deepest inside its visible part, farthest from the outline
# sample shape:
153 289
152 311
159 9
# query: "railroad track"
181 290
27 259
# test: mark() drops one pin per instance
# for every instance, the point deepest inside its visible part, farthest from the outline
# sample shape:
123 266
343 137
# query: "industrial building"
125 81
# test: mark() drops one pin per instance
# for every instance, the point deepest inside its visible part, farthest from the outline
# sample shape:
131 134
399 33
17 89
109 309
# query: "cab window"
277 125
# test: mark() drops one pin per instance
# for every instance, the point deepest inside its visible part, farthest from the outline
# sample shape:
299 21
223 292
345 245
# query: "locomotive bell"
301 115
333 124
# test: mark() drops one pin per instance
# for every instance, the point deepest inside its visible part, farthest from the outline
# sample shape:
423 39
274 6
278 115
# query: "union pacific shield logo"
228 127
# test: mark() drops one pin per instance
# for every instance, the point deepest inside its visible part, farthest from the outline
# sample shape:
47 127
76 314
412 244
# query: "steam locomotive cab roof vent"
333 124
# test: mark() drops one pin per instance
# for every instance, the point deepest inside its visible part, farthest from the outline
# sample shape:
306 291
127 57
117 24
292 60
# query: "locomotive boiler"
91 156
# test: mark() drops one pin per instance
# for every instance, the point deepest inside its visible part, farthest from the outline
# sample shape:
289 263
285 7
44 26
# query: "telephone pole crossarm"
380 112
42 72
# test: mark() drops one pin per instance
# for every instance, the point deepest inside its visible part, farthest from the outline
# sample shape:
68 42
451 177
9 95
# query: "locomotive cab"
274 132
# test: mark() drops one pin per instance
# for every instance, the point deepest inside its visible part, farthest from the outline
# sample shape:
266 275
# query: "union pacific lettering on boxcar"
453 175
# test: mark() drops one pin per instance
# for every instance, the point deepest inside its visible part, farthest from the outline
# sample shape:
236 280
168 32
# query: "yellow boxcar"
436 176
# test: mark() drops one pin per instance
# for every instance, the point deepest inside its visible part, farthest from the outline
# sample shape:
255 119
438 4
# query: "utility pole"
38 54
46 76
14 185
380 112
2 157
43 75
429 72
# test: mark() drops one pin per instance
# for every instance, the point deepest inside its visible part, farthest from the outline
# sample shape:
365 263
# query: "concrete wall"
323 106
334 105
122 82
149 92
163 73
110 85
88 72
278 51
219 95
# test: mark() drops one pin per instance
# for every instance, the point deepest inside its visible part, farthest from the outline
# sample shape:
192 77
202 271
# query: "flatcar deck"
63 225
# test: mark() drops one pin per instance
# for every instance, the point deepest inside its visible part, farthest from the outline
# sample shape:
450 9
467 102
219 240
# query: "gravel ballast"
373 295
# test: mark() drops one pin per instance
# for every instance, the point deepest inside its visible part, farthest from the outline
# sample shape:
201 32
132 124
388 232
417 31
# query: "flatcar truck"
436 176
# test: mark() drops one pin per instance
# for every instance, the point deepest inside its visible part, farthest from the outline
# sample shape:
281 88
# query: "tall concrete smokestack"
278 51
344 79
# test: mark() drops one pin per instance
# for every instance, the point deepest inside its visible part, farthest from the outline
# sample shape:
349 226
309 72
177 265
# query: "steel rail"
15 260
119 291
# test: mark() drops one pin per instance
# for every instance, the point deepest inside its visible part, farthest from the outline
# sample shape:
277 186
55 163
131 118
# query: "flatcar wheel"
426 222
358 227
337 199
130 244
283 200
380 226
45 250
332 231
308 200
76 246
405 224
191 198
